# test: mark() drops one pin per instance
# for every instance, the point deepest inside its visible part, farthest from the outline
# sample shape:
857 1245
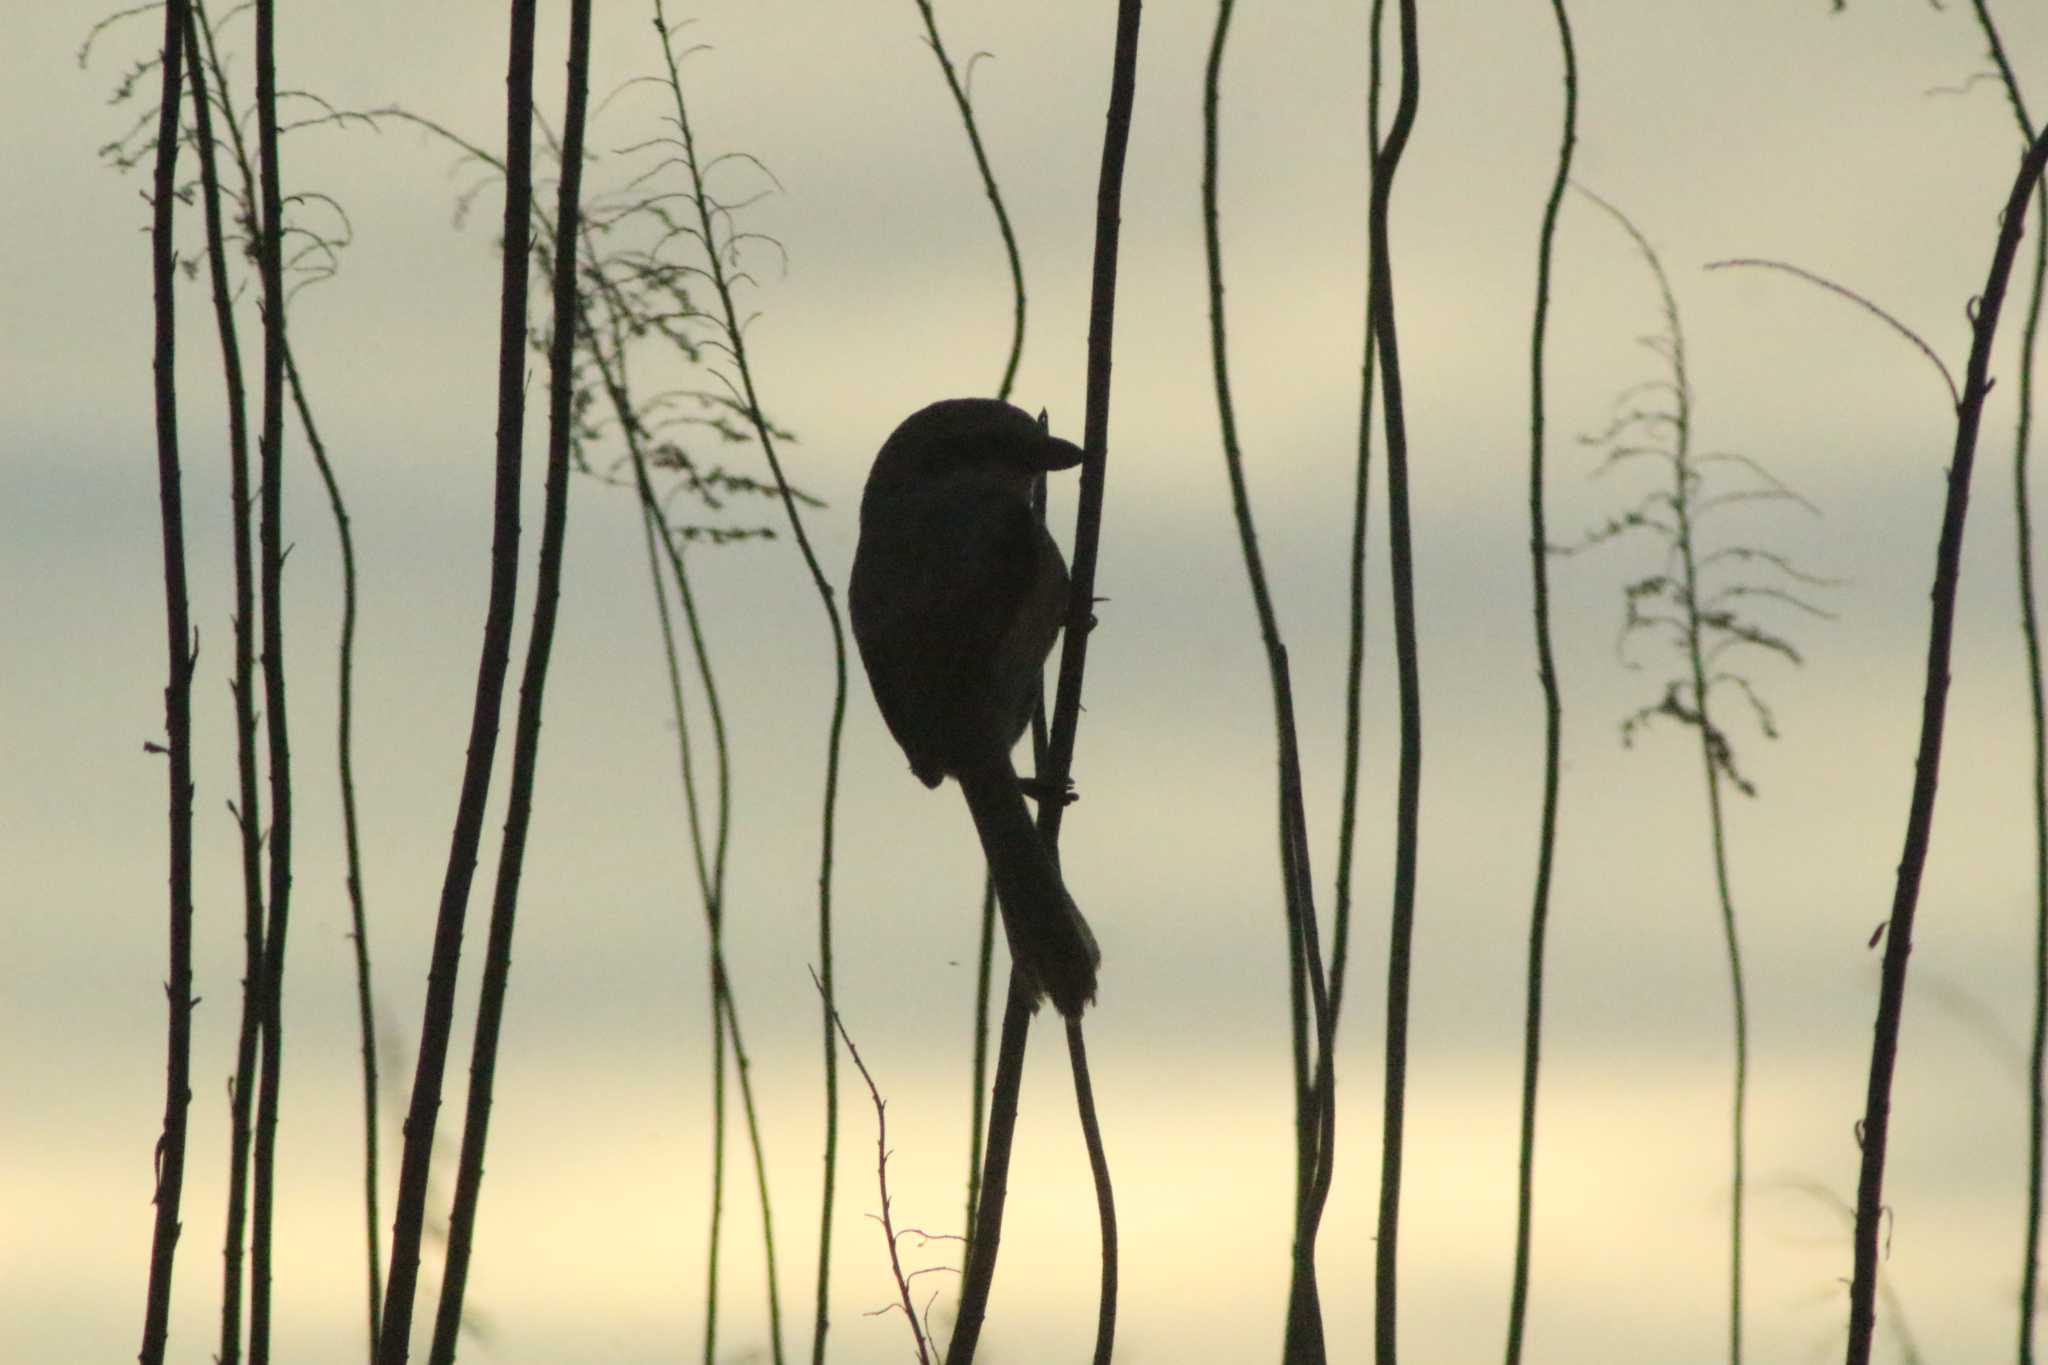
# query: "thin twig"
526 728
888 1223
1310 1029
1408 800
1105 1198
409 1219
1860 301
995 198
1884 1050
1553 707
359 928
2030 635
1066 715
170 1147
723 281
248 806
270 544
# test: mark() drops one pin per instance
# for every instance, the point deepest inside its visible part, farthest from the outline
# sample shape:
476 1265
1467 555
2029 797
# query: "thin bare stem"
984 962
1408 800
177 746
889 1234
248 807
532 689
995 198
609 354
1553 707
978 1111
270 544
1105 1198
1310 1029
1876 1127
2030 635
1354 663
1843 291
1066 715
409 1221
359 927
979 1274
716 246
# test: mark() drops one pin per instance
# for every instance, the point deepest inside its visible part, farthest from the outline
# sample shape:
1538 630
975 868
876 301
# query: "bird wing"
949 592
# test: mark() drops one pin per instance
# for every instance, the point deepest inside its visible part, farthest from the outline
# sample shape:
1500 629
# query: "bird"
957 594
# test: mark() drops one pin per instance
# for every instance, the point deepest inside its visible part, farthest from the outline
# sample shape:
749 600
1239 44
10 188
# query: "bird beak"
1053 453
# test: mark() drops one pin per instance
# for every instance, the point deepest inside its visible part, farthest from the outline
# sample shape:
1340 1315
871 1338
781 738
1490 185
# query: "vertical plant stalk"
532 690
889 1234
1682 504
710 873
248 806
1354 663
1696 622
1553 707
170 1147
735 342
1884 1052
270 549
985 961
1408 800
979 1275
978 1112
988 183
394 1344
1313 1109
359 929
2030 634
1066 716
1105 1195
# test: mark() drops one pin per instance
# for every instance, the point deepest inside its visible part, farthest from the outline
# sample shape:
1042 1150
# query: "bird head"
981 438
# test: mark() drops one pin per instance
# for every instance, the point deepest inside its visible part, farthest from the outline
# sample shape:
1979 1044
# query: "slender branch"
409 1220
248 808
1843 291
170 1147
1066 715
532 688
1876 1126
889 1234
978 1116
2030 634
723 282
1105 1199
979 1273
1304 1332
995 198
608 353
1354 664
984 962
1553 707
359 928
1400 555
270 545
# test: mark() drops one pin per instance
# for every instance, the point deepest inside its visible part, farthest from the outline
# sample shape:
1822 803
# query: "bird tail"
1048 937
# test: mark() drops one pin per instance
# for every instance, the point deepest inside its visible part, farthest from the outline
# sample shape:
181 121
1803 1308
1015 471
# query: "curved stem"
1553 707
495 656
1408 801
735 340
170 1149
1884 1050
995 198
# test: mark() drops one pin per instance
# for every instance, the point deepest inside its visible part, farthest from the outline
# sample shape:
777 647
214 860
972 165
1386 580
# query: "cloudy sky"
1857 145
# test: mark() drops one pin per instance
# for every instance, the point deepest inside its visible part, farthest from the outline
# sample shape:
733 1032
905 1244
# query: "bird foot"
1042 790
